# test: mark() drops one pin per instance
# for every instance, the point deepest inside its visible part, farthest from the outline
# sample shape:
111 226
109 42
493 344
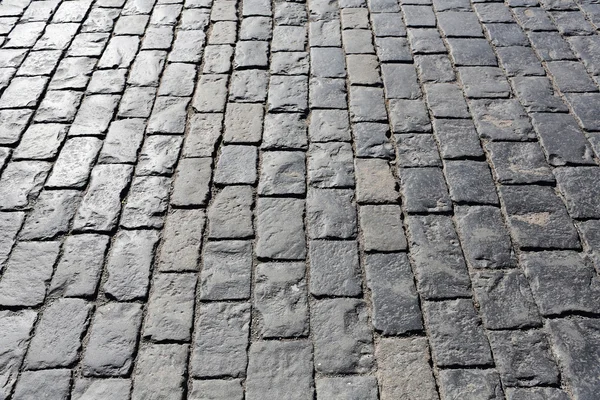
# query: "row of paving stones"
202 199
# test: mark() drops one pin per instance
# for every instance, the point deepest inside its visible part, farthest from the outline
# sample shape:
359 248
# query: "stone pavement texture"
289 200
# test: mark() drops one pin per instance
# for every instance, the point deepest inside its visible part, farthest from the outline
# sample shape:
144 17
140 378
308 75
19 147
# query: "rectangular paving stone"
59 334
470 383
217 389
170 311
505 300
21 182
280 228
146 202
282 172
27 272
440 268
168 115
117 389
10 223
158 155
516 163
576 347
181 241
417 150
524 358
456 335
226 270
53 383
40 142
374 181
51 215
470 182
192 179
122 142
221 340
334 268
129 264
236 164
230 213
561 281
457 138
404 370
137 102
80 266
18 326
160 372
243 123
203 133
12 125
501 120
537 94
101 205
113 339
396 308
562 140
537 218
343 342
280 370
330 165
211 92
381 227
74 163
23 92
424 190
367 104
280 300
331 213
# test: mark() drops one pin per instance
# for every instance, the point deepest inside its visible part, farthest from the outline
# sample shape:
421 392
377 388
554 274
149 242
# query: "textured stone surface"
353 199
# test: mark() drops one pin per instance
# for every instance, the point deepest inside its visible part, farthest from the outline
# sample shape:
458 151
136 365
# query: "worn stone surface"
299 200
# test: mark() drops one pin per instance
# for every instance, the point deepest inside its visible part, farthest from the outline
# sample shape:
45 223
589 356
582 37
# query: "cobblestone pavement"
331 199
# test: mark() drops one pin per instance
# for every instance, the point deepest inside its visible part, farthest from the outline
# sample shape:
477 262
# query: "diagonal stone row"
381 199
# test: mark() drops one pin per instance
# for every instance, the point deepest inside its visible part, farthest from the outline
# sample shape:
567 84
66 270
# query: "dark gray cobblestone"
307 199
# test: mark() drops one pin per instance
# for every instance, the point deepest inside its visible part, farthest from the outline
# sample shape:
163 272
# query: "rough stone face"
10 223
74 163
396 308
280 228
226 270
424 190
403 369
350 387
192 179
524 358
280 370
159 372
280 299
282 172
343 342
129 263
537 218
236 164
484 238
216 389
374 181
456 335
182 238
562 281
14 338
470 182
114 388
505 299
58 335
158 155
112 340
40 142
171 307
21 182
51 215
230 214
440 269
470 384
49 384
519 163
27 272
80 266
101 205
122 141
221 340
334 268
330 165
331 214
146 202
243 123
382 227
